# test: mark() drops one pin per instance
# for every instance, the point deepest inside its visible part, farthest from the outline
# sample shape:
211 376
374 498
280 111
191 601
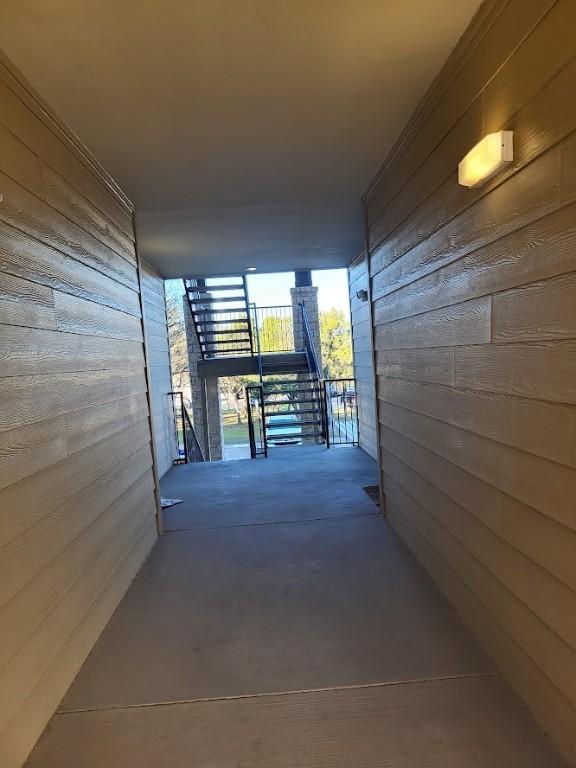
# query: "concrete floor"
280 623
235 452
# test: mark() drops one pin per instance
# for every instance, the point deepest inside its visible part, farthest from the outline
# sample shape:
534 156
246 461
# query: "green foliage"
233 391
275 333
335 344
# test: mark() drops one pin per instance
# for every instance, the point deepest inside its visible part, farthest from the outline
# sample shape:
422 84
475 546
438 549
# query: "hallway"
279 623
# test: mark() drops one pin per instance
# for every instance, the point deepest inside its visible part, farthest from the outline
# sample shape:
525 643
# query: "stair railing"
309 348
315 370
189 448
340 398
256 328
250 328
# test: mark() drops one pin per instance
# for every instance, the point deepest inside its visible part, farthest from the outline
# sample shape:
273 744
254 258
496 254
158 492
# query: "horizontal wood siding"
474 307
77 502
156 331
363 360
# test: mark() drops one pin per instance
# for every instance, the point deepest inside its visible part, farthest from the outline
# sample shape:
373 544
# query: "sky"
270 289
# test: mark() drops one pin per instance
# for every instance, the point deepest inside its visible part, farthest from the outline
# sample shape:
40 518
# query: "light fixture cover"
486 159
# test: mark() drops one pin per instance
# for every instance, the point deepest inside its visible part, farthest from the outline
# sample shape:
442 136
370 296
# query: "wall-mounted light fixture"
362 295
486 159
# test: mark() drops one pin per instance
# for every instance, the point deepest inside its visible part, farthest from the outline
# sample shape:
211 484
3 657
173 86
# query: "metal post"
325 414
250 425
250 333
259 353
263 421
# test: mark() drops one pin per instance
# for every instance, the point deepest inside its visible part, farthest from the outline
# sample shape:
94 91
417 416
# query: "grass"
232 432
235 434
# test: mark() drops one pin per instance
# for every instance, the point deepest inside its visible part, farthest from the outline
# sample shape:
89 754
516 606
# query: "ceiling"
245 131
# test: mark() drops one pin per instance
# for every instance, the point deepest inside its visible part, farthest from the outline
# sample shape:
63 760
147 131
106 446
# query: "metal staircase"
289 406
221 316
293 409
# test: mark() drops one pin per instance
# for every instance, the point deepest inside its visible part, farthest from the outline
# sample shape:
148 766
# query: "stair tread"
294 412
217 299
282 424
205 334
210 288
243 350
228 311
289 391
281 382
297 436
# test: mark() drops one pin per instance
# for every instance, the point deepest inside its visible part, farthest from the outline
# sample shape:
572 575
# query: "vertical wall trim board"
157 496
381 494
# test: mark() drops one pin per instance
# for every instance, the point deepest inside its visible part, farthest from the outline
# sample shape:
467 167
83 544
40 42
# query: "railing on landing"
309 347
273 327
341 409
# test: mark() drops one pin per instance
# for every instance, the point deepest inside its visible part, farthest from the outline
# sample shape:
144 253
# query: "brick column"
214 418
308 295
305 292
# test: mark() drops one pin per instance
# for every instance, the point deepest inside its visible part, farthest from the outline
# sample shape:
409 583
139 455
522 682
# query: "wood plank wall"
156 334
363 359
77 506
474 302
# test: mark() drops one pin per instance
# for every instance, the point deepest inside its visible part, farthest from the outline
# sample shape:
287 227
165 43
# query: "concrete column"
214 418
308 295
205 396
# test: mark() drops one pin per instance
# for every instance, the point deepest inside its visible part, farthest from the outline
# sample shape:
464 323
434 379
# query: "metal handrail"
191 446
308 344
258 350
315 370
250 329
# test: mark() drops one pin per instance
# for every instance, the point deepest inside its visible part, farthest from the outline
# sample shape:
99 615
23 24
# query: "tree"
335 344
275 333
177 339
234 390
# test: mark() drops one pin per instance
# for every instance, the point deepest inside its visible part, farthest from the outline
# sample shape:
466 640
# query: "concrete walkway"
280 623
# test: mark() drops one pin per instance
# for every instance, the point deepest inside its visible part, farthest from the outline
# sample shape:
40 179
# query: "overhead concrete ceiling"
245 131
